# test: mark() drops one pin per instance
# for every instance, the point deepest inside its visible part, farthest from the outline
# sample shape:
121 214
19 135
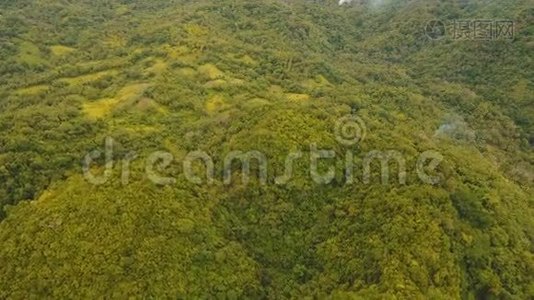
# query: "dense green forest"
272 76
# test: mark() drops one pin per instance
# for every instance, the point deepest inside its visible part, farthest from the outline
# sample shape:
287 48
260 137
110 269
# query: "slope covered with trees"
271 76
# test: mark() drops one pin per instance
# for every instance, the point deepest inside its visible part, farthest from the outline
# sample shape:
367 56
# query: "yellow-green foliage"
248 60
158 67
125 254
210 71
60 50
274 77
132 92
100 108
256 103
298 97
187 72
32 90
30 54
126 96
215 104
86 78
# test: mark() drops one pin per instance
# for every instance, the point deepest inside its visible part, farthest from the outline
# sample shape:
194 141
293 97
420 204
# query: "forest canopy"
205 79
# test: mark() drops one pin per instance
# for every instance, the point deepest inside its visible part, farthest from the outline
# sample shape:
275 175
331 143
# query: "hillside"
200 81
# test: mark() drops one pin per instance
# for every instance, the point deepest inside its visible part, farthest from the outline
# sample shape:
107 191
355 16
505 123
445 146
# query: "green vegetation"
273 76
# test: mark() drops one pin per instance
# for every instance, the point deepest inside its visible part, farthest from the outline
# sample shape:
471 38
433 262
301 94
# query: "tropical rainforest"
269 77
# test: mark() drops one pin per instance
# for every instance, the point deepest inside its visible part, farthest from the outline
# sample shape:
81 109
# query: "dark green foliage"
273 76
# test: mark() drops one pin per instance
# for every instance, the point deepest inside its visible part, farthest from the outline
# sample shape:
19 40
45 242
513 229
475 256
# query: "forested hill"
267 77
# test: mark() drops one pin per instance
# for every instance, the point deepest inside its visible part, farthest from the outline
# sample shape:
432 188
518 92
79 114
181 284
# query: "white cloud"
456 128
